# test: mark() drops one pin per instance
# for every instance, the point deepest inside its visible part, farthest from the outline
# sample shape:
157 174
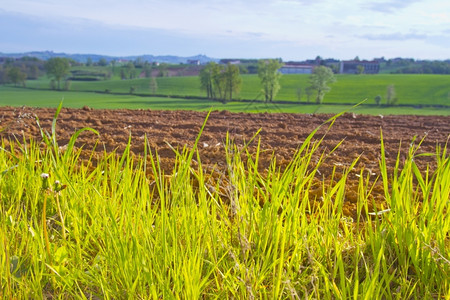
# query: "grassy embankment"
123 229
416 91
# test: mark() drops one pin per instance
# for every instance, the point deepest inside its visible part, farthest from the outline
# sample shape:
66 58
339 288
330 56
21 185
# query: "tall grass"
119 227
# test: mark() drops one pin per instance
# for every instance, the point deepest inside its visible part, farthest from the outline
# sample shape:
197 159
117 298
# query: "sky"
287 29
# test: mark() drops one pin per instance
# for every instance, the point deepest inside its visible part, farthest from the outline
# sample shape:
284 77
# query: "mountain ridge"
83 58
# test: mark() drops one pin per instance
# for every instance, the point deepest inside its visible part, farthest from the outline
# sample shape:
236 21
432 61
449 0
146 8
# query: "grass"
411 89
417 94
119 227
11 96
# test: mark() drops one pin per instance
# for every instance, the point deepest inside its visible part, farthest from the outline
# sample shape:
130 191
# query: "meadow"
417 94
118 226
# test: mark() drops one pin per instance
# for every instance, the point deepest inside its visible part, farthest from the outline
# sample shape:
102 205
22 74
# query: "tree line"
221 82
18 71
425 67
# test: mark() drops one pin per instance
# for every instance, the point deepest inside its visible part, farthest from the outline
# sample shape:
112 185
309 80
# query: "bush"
377 99
67 85
53 84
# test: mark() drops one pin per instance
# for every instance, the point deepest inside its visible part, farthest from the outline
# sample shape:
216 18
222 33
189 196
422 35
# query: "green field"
122 229
417 94
116 226
11 96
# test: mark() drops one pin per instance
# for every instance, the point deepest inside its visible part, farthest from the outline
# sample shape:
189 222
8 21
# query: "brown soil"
281 135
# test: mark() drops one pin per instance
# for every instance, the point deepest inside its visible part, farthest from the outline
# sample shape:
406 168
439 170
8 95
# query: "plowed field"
280 136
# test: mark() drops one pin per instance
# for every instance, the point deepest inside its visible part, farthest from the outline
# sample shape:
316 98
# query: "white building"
296 69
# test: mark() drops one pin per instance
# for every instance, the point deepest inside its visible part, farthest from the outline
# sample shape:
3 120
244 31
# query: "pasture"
416 94
11 96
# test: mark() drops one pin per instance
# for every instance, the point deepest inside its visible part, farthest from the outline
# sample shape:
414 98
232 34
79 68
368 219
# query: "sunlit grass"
117 226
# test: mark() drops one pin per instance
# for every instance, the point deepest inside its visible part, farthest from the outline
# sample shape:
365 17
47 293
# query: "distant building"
329 61
295 68
194 62
380 59
122 61
229 61
351 66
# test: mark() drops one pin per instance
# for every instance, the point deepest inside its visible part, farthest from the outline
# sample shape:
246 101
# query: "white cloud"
394 36
391 6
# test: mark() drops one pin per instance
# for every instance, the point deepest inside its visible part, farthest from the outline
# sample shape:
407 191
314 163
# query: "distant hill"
83 58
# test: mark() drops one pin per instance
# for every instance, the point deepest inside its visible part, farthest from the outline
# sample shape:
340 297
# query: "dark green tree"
269 76
17 76
377 99
33 72
57 68
3 75
103 62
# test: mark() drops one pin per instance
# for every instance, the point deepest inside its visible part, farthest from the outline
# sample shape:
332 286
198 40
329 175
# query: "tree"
269 76
139 62
299 94
163 70
153 85
212 80
57 68
3 75
377 99
147 70
232 81
391 98
67 85
130 70
207 79
103 62
319 80
309 92
318 60
33 72
17 76
220 82
123 74
360 69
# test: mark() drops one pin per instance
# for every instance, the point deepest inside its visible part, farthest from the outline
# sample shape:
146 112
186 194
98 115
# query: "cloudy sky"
290 29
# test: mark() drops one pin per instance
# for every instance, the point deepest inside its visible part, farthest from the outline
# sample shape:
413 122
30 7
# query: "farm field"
11 96
335 213
417 94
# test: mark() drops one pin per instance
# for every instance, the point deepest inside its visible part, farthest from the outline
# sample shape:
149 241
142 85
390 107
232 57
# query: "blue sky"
290 29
